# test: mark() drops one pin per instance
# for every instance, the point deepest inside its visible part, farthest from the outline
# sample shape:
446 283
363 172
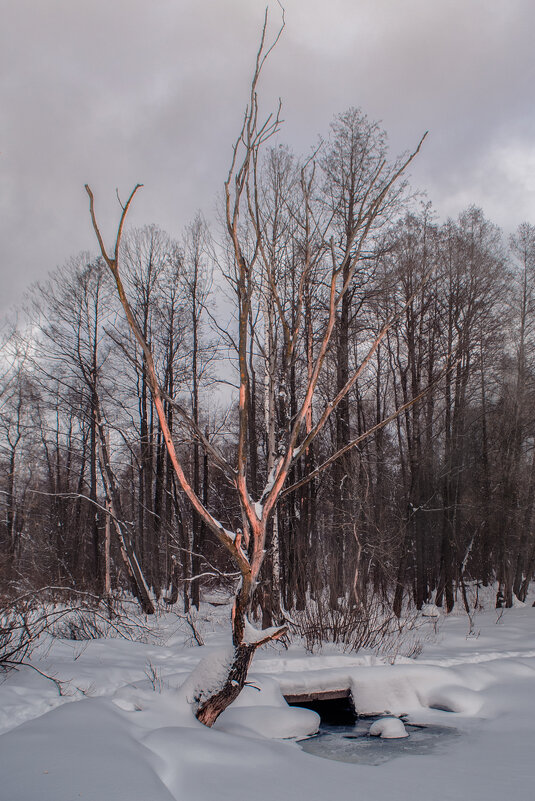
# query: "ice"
357 745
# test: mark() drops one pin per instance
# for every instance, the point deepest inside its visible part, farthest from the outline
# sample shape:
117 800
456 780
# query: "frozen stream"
352 743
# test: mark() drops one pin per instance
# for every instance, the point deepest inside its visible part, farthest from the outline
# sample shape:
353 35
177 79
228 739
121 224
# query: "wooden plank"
320 695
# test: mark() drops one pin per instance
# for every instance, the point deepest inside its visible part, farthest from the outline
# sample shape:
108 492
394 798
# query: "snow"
455 699
273 722
430 610
388 729
208 677
252 635
81 750
124 726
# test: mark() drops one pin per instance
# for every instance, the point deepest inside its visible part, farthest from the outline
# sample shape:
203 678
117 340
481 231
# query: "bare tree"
518 425
196 282
17 394
72 309
246 544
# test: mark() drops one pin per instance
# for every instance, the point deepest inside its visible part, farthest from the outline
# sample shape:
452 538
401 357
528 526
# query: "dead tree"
246 544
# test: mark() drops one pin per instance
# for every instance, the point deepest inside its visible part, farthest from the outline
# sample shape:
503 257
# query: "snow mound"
517 603
125 704
272 722
454 699
82 749
378 691
388 729
208 677
260 691
261 711
430 610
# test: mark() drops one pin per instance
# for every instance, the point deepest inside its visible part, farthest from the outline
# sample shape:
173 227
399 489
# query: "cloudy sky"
115 92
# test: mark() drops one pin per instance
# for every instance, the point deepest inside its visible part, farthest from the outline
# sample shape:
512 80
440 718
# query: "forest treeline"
433 486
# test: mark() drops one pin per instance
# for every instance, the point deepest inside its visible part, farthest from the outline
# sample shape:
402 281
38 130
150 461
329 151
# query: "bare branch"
219 460
350 445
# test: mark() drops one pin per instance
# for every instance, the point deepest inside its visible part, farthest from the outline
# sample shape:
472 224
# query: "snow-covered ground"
123 730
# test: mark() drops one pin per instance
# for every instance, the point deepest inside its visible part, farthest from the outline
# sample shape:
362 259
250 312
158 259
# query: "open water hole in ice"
352 743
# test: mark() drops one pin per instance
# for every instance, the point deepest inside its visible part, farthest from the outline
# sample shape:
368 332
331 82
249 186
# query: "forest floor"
122 728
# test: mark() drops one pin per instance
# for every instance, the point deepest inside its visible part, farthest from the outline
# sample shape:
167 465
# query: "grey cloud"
118 91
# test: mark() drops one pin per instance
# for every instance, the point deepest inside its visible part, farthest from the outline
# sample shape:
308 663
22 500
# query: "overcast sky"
115 92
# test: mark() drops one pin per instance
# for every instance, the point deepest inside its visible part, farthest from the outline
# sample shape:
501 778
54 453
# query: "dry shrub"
61 613
354 626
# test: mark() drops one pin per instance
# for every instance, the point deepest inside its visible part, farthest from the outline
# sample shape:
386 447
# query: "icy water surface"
354 744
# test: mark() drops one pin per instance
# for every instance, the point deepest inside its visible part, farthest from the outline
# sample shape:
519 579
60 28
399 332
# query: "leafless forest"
348 384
